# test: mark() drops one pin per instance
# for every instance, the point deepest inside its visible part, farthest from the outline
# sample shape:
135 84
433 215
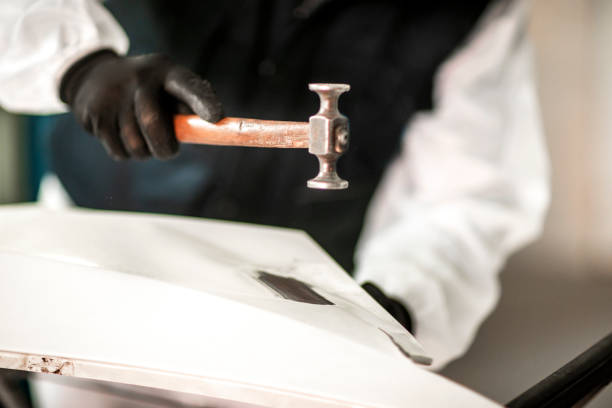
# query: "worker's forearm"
40 40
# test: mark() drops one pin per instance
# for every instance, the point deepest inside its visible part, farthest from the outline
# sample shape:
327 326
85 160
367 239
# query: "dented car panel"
180 305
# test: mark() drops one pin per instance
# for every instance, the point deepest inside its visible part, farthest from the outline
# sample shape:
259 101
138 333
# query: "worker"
447 165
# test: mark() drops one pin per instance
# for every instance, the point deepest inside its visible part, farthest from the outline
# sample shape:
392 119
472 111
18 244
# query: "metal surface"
326 135
329 136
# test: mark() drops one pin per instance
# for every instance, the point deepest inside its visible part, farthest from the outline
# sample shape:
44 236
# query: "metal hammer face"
328 136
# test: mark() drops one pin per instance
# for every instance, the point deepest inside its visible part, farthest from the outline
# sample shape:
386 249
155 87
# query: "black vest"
260 57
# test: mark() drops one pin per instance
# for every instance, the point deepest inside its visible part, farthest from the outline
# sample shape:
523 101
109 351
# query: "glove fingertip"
170 152
211 112
195 92
114 150
393 306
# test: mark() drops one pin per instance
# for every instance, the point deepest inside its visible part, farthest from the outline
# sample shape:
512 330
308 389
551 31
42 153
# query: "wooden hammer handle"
241 132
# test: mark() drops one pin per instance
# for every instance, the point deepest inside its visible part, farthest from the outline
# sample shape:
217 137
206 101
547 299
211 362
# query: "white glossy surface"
172 303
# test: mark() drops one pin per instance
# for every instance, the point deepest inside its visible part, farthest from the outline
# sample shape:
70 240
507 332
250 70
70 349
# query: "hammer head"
329 136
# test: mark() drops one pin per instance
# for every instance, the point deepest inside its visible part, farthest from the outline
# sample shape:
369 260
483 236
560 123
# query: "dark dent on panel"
291 288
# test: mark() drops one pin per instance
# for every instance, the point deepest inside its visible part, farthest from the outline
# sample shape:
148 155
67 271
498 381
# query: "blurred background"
557 294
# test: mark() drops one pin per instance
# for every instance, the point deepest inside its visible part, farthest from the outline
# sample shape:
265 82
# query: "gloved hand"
393 306
129 102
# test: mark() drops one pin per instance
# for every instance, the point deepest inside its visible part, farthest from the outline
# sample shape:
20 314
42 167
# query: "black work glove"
129 102
392 306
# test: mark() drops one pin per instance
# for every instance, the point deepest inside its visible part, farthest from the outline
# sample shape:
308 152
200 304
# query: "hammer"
326 134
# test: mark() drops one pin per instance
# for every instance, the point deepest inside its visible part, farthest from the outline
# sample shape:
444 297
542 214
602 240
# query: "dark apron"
260 57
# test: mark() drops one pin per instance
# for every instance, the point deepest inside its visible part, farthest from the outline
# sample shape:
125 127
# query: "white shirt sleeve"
40 39
470 187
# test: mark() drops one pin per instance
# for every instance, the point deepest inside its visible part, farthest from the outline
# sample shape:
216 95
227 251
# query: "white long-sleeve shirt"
40 39
469 187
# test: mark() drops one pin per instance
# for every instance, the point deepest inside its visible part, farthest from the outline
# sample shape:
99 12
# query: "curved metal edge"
211 388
